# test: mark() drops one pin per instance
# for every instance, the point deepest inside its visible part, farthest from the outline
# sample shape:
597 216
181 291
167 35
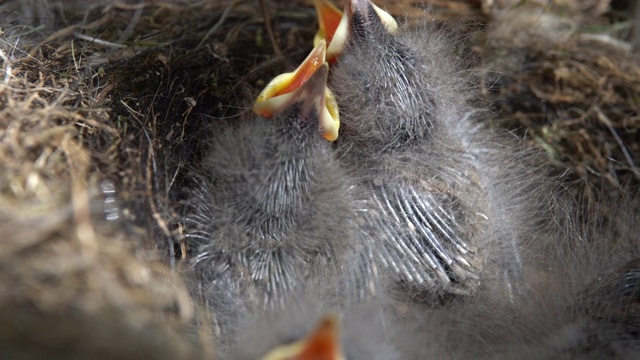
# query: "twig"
95 40
267 23
217 25
604 119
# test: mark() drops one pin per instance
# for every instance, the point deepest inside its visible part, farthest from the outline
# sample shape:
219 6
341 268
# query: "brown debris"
574 94
71 285
572 8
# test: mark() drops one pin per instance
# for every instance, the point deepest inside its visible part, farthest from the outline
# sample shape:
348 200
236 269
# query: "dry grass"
70 282
572 91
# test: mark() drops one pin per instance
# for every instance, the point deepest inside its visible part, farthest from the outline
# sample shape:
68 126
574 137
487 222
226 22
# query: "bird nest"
103 105
571 87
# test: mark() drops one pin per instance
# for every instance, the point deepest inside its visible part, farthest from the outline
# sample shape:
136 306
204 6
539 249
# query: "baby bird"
448 200
322 344
583 303
270 98
271 208
311 327
283 341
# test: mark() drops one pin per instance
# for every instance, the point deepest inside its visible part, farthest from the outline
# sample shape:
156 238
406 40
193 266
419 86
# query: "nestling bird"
583 304
311 327
332 22
449 201
283 341
322 343
583 301
446 190
272 99
271 209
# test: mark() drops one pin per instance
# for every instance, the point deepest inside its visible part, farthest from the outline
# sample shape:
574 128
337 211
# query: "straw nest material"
571 85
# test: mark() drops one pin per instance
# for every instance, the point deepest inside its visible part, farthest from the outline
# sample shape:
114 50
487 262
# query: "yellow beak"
322 344
329 16
334 24
277 94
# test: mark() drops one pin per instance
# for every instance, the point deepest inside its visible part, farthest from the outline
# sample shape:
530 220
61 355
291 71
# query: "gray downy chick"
316 325
583 297
271 209
449 201
290 334
589 310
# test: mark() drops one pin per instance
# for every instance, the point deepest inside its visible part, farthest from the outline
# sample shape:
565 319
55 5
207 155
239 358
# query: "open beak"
322 344
365 7
334 26
288 88
329 17
288 82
